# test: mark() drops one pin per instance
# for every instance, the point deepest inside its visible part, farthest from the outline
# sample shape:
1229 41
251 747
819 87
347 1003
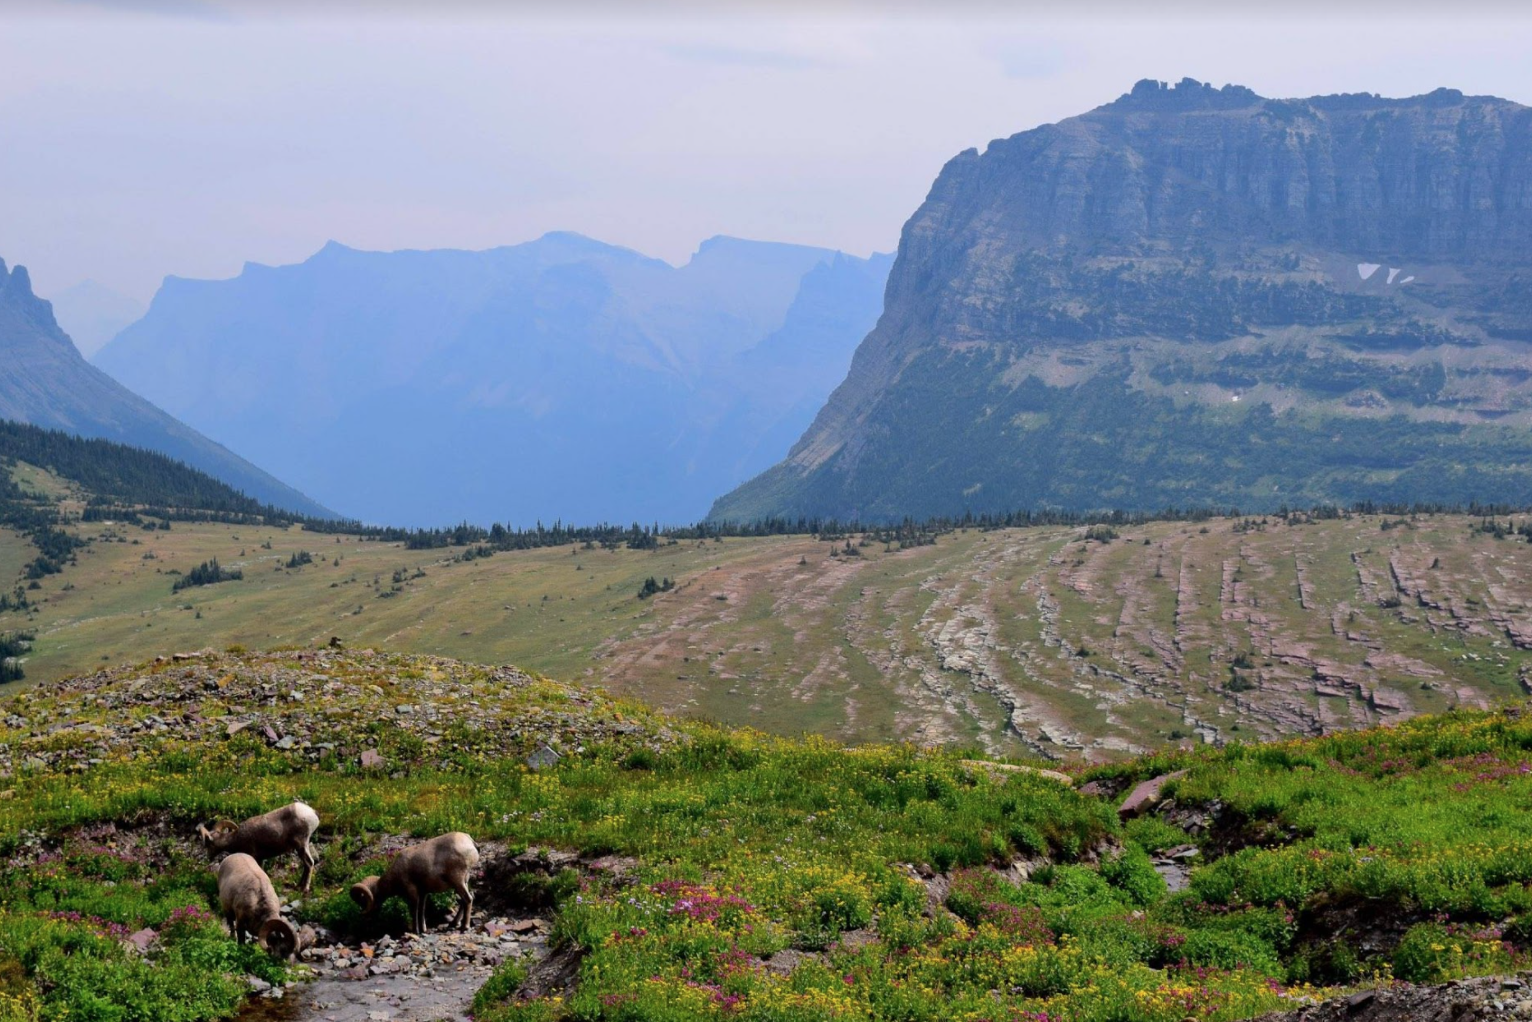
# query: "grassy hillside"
1059 642
763 878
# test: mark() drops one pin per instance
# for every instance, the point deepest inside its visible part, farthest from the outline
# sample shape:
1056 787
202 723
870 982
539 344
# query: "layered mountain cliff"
561 378
1196 295
47 383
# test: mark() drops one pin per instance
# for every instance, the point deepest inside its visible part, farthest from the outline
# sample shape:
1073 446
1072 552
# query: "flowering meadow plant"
789 880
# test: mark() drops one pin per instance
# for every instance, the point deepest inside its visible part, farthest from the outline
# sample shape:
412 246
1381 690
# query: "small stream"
1175 867
375 999
410 979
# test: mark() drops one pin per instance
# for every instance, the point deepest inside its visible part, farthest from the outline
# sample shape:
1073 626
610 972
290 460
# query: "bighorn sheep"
251 907
440 864
265 837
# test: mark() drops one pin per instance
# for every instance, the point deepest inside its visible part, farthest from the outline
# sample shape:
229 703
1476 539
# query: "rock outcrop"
1197 296
1468 1000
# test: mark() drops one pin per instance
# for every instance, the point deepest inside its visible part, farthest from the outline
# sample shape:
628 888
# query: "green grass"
15 552
750 846
803 643
63 923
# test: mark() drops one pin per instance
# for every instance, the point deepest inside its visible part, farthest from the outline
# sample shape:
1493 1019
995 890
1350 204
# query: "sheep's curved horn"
280 938
220 828
362 894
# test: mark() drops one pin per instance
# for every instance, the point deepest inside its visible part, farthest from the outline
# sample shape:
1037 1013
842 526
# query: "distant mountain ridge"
1197 296
560 378
47 383
92 314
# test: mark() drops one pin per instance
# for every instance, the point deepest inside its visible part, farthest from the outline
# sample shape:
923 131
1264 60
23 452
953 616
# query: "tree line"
12 646
116 473
907 532
207 573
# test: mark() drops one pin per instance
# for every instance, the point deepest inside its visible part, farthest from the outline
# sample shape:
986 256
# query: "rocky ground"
1466 1001
1048 642
311 704
412 978
314 705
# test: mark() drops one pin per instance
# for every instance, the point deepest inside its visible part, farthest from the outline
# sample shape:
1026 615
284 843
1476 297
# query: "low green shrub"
1153 834
193 972
1330 963
1432 952
1231 949
1134 875
532 891
491 999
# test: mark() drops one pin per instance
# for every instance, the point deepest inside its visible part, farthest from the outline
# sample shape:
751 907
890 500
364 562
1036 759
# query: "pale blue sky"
149 137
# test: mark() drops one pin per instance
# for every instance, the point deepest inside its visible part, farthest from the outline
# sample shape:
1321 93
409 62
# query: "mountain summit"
560 378
1197 295
47 383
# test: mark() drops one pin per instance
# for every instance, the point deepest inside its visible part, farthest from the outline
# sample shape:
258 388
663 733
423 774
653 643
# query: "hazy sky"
140 138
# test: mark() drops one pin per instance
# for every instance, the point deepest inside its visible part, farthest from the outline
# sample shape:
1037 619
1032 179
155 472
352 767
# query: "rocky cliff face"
1197 295
47 383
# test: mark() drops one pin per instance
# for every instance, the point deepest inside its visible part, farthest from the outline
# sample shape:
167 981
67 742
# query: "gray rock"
543 758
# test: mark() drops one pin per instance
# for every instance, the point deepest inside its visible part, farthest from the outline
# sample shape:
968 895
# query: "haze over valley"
1057 549
557 379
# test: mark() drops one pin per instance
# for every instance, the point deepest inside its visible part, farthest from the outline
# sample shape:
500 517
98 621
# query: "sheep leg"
418 914
463 918
308 858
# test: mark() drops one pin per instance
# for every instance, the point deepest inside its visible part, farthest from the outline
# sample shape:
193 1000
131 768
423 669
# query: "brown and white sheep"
440 864
267 836
251 907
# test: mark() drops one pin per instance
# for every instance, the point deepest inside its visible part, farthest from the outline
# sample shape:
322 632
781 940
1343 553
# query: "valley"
1038 641
1106 597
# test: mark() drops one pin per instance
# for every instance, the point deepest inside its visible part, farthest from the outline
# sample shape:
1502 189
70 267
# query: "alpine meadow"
1106 597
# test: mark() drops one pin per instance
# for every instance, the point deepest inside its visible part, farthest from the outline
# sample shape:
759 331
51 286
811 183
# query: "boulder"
1143 797
542 758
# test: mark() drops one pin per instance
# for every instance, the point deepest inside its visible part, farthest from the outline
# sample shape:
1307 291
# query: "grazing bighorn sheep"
251 907
440 864
265 837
